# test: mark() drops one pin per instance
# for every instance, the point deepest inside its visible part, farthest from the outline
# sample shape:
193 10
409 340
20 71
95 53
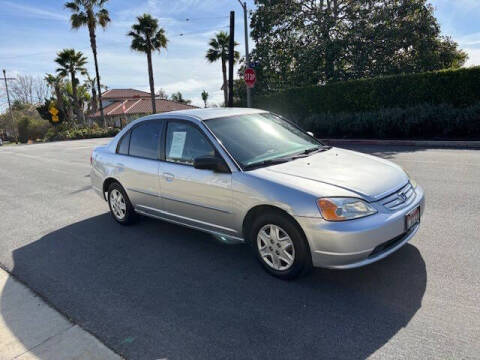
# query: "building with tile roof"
120 106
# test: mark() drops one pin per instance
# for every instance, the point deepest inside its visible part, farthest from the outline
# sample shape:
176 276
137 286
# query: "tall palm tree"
147 37
90 13
56 83
205 97
72 62
219 50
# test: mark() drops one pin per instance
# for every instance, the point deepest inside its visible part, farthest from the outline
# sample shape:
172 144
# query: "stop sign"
250 77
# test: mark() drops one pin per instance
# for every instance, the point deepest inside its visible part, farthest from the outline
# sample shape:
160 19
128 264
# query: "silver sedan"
253 176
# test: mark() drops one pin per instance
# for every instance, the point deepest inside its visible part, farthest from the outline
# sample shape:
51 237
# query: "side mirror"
213 163
311 133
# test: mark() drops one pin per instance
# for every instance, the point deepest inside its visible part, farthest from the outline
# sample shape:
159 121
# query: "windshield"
260 138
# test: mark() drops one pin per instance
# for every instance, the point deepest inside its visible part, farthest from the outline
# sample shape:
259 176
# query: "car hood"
368 176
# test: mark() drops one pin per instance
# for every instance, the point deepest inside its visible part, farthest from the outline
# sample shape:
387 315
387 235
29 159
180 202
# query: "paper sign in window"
178 143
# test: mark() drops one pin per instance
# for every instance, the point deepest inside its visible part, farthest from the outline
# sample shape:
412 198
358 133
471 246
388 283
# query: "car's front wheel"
120 207
280 246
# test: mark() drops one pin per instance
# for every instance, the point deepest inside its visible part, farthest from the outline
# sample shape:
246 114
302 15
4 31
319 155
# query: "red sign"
250 77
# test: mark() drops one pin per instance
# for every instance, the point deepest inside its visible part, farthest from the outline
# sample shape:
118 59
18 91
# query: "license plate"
412 218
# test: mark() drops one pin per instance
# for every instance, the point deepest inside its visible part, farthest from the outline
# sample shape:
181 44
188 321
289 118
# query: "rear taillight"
91 159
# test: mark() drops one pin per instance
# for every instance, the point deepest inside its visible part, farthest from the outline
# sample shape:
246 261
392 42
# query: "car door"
197 197
139 164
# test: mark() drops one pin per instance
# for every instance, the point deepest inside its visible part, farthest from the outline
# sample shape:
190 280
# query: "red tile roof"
141 106
124 94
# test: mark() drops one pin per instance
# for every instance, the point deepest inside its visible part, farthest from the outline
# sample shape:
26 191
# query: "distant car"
253 176
1 141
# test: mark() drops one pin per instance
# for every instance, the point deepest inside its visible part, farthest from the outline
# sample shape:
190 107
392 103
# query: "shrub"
439 104
417 122
32 129
459 88
63 133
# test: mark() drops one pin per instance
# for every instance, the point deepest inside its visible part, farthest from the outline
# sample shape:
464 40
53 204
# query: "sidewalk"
30 329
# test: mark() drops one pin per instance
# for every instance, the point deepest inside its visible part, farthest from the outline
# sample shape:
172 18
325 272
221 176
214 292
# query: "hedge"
416 122
80 133
454 87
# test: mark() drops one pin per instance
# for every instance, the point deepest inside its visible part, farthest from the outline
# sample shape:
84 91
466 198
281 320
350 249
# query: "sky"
32 31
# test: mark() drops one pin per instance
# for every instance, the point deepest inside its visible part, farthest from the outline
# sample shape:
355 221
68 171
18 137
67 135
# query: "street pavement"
156 290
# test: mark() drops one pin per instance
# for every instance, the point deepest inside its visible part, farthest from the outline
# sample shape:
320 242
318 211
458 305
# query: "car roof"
208 113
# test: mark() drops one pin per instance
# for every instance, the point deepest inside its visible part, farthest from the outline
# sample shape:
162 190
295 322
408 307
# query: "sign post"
250 77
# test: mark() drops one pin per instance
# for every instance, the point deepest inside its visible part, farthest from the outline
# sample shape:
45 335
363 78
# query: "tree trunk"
76 105
225 83
150 78
58 94
93 44
94 99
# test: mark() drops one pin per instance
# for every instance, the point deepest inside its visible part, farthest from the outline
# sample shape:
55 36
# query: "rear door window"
145 140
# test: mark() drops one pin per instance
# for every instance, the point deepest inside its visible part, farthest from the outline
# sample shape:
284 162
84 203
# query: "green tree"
147 37
56 83
219 50
178 97
205 97
90 13
72 62
301 43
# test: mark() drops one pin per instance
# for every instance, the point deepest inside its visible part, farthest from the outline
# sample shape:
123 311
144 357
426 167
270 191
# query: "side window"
145 140
185 142
123 145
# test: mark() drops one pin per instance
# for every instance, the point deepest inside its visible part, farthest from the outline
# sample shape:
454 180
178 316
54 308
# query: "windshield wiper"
312 151
267 163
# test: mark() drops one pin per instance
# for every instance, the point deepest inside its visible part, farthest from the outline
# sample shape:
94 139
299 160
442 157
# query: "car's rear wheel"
280 245
120 207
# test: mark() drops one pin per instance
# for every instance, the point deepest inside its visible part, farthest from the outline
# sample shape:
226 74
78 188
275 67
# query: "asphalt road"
156 290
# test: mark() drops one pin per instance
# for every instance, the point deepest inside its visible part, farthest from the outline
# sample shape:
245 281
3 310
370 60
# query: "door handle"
168 176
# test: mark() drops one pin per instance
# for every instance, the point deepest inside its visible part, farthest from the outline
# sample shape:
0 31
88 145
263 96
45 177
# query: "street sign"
54 112
250 77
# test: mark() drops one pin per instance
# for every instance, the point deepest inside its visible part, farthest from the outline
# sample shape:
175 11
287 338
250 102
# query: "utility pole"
231 58
247 54
8 98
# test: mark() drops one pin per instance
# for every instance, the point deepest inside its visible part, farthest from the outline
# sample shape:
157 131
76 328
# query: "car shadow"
157 290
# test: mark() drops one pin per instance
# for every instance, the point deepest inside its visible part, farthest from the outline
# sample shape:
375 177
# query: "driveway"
156 290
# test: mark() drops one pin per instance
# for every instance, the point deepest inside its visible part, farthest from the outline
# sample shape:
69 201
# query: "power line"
200 32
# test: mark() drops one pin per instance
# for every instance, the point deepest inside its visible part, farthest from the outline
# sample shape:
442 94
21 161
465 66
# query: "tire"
120 207
273 236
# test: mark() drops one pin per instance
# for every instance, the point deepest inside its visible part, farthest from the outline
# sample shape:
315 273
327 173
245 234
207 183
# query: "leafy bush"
455 87
416 122
31 129
64 133
439 104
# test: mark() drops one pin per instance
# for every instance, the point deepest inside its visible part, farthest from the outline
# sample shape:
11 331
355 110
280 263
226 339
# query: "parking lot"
157 290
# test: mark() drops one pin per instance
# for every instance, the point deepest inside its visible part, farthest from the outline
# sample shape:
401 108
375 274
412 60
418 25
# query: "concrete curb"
32 329
417 143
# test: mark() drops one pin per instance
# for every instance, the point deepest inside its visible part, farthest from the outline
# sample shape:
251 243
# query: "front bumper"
356 243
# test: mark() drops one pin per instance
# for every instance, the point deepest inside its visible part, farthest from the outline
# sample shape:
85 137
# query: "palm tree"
90 13
147 36
205 97
90 85
71 62
56 83
219 50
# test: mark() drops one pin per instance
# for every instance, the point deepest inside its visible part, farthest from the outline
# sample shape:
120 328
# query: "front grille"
400 198
387 245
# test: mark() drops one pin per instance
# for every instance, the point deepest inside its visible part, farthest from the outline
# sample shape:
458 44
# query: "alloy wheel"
118 205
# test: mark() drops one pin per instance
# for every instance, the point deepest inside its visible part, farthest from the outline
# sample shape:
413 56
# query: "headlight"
341 209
